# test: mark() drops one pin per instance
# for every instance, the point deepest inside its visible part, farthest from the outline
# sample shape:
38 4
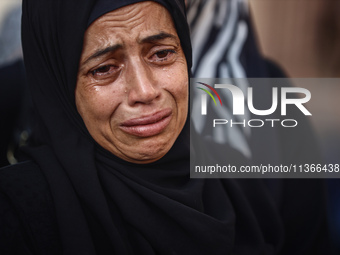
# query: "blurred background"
15 106
10 40
303 36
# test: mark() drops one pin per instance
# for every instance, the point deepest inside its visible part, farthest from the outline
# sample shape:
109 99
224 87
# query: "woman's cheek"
105 102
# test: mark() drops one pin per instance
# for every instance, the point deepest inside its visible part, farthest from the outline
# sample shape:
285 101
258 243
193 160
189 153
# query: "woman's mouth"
147 126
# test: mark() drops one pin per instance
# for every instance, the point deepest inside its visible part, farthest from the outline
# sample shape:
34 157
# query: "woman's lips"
148 125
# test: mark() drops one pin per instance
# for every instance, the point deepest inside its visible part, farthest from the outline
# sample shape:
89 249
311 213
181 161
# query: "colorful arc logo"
204 97
215 92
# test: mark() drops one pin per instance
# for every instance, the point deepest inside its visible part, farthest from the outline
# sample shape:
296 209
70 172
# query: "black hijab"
105 205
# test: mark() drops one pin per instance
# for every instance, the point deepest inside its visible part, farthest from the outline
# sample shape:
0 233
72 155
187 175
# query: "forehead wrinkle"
126 17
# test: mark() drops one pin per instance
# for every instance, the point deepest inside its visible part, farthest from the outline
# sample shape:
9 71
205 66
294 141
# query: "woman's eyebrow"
159 37
101 52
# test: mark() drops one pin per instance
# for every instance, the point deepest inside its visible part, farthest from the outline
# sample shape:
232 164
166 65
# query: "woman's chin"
145 152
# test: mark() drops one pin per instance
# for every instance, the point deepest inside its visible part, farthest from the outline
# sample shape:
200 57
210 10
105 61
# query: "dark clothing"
27 215
251 219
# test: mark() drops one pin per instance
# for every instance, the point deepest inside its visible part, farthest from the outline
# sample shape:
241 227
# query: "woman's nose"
142 86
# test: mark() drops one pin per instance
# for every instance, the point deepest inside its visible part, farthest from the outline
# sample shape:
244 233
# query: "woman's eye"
103 70
164 54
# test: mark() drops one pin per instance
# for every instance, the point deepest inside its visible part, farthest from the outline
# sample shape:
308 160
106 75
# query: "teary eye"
163 56
101 70
104 71
164 53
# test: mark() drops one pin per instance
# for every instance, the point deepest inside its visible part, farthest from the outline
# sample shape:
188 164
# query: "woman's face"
132 87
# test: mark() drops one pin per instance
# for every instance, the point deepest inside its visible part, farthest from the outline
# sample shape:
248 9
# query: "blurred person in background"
225 46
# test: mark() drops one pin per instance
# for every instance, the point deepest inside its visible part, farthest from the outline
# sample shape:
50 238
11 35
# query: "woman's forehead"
120 8
146 22
145 14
